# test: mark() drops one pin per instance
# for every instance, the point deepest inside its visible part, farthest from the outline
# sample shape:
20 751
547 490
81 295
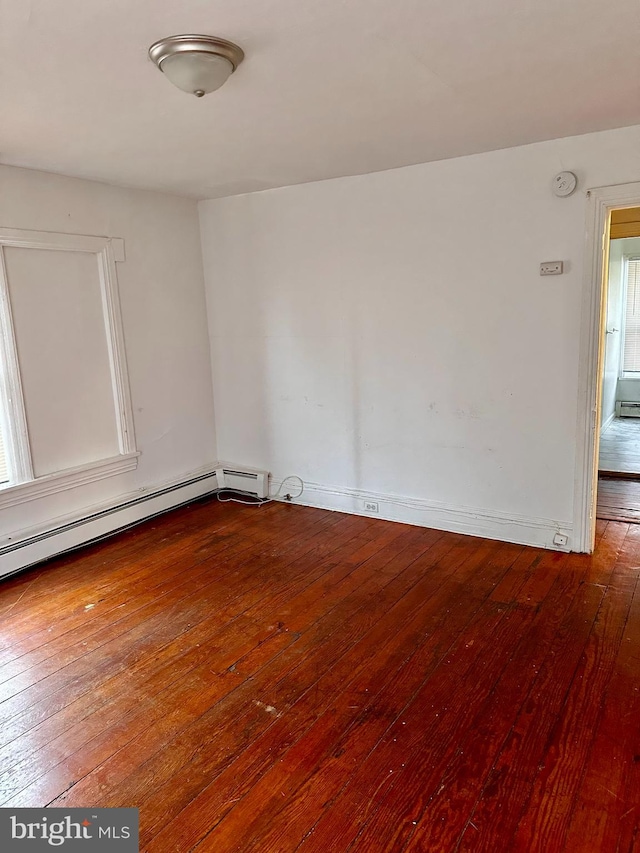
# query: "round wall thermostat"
564 184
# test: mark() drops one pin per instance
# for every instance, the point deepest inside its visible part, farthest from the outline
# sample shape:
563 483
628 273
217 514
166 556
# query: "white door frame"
600 202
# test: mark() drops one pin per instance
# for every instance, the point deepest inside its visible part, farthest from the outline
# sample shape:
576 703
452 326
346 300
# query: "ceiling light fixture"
196 64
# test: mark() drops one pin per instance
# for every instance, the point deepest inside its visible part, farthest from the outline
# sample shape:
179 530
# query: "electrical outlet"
370 506
560 539
552 268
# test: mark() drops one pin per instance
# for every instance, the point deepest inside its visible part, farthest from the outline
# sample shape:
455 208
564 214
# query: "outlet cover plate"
552 268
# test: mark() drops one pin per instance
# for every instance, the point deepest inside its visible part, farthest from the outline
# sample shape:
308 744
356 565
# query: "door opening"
609 368
618 487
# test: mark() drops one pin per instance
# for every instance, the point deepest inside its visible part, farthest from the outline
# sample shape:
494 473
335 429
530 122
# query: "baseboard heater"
33 547
90 528
625 409
253 481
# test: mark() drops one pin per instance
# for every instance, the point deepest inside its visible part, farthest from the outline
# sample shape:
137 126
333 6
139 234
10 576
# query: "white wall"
389 334
613 337
163 307
628 390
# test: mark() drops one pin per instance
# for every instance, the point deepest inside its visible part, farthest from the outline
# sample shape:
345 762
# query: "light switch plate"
551 268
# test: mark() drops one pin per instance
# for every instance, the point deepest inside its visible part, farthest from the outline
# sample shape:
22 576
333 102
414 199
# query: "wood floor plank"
220 539
437 826
111 594
380 650
506 790
244 676
123 581
192 648
200 577
552 798
618 500
459 753
415 729
236 781
352 748
601 526
161 568
80 572
341 604
607 807
42 699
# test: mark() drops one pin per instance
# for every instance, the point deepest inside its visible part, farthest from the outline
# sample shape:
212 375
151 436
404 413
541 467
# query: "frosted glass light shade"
195 63
197 73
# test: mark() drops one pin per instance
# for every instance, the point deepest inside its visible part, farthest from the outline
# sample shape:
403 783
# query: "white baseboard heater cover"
100 522
627 409
243 479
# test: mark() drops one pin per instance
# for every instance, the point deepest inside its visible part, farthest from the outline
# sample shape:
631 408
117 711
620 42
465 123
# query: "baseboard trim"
608 422
488 524
32 545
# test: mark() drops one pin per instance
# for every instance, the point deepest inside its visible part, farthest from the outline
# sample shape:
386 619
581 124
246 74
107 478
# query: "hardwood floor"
618 500
620 447
289 679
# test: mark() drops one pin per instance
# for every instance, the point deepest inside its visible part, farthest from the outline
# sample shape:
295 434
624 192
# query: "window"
631 346
65 409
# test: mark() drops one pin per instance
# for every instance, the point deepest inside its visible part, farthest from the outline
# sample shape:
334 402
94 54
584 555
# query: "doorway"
618 489
602 202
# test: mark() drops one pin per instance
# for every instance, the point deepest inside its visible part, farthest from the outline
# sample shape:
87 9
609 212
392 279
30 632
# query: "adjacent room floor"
619 471
620 447
618 499
290 679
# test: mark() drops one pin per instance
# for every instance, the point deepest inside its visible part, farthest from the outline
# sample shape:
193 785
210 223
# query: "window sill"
10 495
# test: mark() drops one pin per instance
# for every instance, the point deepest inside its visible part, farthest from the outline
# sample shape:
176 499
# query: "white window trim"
23 486
16 438
49 484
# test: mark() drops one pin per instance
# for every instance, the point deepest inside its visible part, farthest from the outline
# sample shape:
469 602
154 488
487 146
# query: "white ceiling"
328 88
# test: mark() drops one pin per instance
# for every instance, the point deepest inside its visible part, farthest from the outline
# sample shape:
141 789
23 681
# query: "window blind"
625 223
631 355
